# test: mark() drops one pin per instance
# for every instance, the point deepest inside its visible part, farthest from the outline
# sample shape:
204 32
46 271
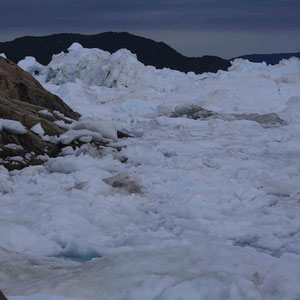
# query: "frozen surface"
201 209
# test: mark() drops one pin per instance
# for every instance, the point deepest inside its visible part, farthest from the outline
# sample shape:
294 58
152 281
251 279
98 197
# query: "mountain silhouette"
149 52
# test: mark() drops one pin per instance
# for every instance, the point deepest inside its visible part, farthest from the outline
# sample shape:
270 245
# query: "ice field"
205 208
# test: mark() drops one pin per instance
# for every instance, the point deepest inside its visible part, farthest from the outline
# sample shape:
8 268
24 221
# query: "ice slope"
217 215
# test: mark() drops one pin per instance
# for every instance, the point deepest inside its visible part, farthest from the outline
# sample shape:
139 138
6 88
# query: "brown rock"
17 84
22 99
29 115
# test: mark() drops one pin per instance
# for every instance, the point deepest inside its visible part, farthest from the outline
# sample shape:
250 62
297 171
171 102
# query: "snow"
5 181
3 55
104 127
11 126
216 213
291 113
72 135
14 147
46 112
16 158
38 129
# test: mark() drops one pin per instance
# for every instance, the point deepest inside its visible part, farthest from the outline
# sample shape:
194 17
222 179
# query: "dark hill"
271 59
149 52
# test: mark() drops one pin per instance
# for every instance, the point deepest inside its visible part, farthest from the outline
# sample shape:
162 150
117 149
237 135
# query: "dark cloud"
177 14
222 16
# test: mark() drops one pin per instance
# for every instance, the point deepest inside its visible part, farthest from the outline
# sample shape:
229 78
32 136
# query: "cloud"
197 27
165 14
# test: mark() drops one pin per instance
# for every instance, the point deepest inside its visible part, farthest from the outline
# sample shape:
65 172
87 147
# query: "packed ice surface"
218 212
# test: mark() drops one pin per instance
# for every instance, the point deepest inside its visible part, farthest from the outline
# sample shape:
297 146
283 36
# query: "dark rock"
193 112
265 120
2 297
124 182
197 112
123 135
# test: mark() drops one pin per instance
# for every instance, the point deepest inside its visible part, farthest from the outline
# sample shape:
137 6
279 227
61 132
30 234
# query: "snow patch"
46 112
11 126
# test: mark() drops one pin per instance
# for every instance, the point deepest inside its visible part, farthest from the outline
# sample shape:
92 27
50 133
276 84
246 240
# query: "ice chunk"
292 111
86 65
30 65
72 135
103 127
126 70
97 67
38 129
75 47
70 164
46 112
86 139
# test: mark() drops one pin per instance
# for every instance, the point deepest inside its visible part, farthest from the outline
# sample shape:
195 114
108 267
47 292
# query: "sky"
226 28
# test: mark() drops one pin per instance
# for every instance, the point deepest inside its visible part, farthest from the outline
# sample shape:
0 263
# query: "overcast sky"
226 28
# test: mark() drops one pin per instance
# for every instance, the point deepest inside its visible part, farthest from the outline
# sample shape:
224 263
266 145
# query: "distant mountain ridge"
149 52
271 59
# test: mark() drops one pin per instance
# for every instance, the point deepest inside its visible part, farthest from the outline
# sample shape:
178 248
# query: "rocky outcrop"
2 297
17 84
27 105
